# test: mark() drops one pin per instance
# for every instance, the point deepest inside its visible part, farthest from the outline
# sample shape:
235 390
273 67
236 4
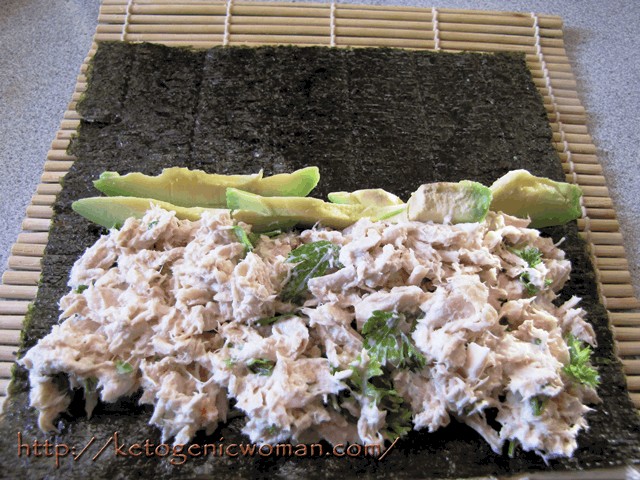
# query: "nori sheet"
368 118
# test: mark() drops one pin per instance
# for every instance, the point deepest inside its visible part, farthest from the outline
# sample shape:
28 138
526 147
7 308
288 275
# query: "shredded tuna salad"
357 335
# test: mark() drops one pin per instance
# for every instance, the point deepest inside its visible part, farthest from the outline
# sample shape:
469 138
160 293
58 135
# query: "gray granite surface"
43 44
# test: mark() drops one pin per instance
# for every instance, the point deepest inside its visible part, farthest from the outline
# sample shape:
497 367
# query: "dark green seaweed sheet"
368 118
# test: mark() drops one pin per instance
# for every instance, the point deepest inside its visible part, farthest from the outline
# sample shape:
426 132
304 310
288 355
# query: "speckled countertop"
43 44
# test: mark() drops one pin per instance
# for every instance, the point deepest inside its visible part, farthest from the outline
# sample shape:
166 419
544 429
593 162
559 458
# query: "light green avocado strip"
447 202
195 188
267 213
546 202
176 185
113 211
295 184
371 197
378 203
390 213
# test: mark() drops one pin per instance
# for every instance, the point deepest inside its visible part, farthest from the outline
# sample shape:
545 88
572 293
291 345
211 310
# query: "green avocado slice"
294 184
371 197
378 203
447 202
546 202
195 188
267 213
112 212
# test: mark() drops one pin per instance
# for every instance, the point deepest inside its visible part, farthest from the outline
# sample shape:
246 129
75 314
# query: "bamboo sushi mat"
203 25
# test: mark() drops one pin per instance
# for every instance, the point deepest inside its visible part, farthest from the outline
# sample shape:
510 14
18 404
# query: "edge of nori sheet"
614 422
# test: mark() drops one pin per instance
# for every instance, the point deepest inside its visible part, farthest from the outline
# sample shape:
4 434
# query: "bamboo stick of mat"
199 24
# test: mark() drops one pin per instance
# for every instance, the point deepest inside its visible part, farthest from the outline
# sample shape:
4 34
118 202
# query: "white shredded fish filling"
177 309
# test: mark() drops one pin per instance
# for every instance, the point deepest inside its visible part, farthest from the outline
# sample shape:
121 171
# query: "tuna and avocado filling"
402 315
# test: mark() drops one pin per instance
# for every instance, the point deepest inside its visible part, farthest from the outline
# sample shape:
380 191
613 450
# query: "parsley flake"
531 255
372 382
90 384
312 260
123 368
255 237
243 238
273 430
271 320
537 405
579 368
388 344
512 448
261 366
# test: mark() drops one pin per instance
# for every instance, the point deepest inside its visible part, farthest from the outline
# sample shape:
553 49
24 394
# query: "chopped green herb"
547 282
255 237
373 383
273 430
529 287
270 320
469 408
538 341
123 368
531 255
416 319
386 343
81 288
361 378
512 448
261 366
537 405
229 362
312 260
579 367
152 224
243 238
398 417
90 384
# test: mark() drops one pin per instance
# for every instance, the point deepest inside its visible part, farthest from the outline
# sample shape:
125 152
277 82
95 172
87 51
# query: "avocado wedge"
295 184
112 212
447 202
369 197
195 188
546 202
267 213
378 203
